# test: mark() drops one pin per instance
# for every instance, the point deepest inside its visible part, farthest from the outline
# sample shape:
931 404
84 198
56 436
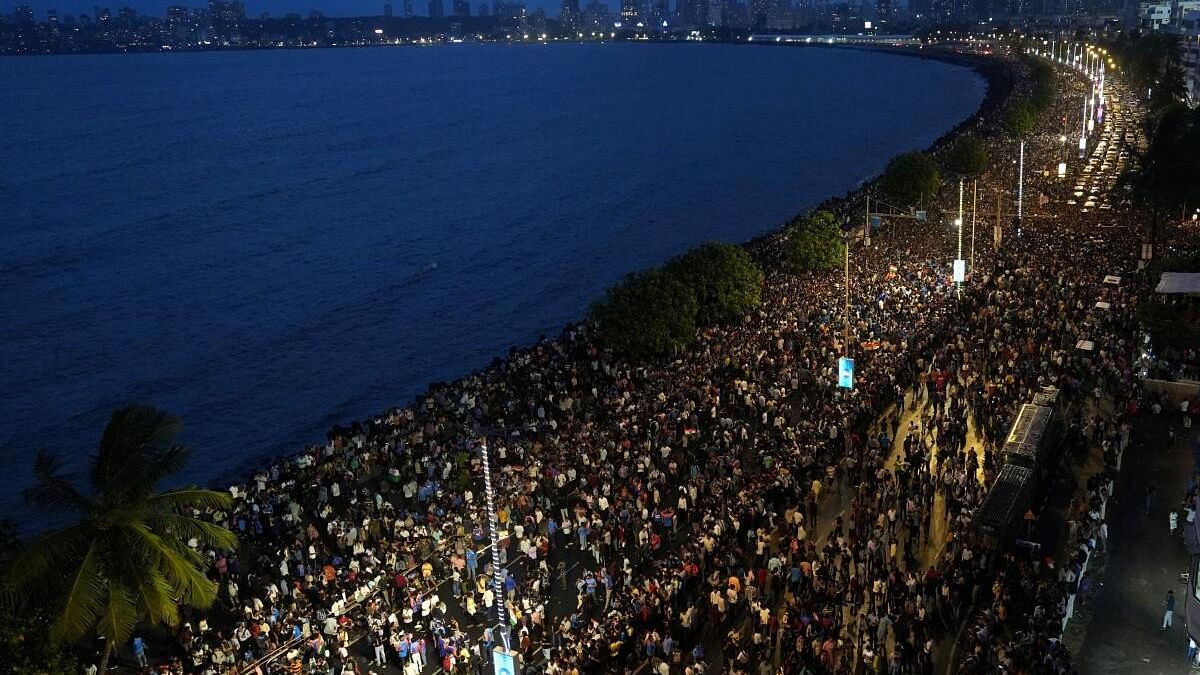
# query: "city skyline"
332 8
257 7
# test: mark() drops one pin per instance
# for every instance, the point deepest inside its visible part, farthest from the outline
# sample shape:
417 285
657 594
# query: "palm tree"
133 554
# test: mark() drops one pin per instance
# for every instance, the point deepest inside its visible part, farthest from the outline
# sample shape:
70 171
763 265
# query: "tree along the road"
968 157
1153 62
815 243
724 279
649 314
127 558
1020 118
26 646
910 178
1043 85
1171 165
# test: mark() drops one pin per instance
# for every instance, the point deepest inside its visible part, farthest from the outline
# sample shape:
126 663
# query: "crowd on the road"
678 508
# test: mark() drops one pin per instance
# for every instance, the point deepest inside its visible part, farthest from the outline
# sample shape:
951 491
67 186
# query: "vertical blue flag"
846 373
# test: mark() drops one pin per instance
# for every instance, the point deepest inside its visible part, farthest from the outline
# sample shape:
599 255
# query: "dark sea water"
270 243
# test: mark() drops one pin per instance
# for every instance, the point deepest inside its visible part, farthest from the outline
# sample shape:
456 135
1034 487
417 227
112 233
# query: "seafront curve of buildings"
225 24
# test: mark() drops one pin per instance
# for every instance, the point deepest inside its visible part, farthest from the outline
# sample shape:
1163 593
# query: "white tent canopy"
1187 283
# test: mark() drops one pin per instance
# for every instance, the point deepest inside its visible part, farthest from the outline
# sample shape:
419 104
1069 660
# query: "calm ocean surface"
270 243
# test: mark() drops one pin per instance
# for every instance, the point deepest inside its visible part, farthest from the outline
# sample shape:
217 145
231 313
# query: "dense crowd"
678 507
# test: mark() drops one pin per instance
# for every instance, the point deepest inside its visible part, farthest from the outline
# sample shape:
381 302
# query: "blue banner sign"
503 662
846 373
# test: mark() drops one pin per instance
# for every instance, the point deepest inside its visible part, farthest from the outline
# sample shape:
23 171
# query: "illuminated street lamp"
1062 164
1020 187
959 264
1083 132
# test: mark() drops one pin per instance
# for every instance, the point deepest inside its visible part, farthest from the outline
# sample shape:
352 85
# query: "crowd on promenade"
687 496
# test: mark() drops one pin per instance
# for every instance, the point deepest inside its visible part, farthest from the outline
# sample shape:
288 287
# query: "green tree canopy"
1152 61
968 157
815 243
127 558
1019 119
724 279
910 178
1043 85
25 642
649 314
1171 164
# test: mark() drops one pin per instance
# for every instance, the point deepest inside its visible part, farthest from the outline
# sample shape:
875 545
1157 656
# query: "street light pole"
997 232
957 258
960 217
1020 188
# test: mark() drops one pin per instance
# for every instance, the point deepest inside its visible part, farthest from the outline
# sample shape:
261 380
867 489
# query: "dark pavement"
1122 615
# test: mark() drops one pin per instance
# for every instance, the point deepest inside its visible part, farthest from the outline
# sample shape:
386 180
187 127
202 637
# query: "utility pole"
959 222
997 232
960 217
867 222
1020 188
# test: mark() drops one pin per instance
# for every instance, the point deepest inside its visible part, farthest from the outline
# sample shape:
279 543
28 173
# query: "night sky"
254 7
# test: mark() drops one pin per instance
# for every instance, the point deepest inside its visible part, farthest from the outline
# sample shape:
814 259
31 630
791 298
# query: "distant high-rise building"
387 11
408 9
656 13
127 16
461 8
24 15
509 10
885 10
225 12
568 16
759 10
629 12
483 9
685 13
716 13
436 9
595 16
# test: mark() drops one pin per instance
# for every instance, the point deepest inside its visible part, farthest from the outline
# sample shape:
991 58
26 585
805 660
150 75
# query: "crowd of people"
687 517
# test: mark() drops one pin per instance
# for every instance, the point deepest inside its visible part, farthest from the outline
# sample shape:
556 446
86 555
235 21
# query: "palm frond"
169 525
136 437
161 462
154 594
49 554
190 497
120 616
53 489
86 596
182 566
